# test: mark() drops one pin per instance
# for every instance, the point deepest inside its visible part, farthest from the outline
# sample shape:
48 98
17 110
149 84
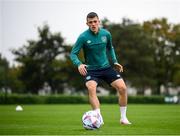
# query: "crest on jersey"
104 39
88 41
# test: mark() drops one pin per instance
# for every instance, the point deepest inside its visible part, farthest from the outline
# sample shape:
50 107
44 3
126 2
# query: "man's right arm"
74 56
75 52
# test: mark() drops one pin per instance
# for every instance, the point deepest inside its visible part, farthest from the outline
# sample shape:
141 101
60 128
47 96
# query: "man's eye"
90 22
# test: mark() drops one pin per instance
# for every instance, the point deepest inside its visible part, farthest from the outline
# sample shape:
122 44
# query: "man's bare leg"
120 86
93 99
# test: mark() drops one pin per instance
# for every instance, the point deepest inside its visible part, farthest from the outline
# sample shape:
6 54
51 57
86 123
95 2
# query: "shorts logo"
88 77
88 41
118 75
104 39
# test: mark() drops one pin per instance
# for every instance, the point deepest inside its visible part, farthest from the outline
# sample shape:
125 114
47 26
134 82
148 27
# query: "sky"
19 19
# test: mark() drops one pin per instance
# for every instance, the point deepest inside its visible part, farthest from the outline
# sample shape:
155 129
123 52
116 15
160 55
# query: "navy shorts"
107 74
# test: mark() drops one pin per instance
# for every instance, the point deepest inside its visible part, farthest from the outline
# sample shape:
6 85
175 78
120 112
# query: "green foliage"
4 68
135 52
15 84
62 99
167 51
66 100
9 77
146 99
149 52
134 99
40 61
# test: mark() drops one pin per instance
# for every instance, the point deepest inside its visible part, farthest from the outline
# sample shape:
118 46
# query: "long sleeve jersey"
96 48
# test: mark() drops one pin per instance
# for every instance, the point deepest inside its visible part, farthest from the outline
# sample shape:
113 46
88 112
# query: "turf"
66 120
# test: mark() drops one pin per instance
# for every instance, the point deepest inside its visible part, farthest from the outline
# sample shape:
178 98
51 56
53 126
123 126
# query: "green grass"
66 120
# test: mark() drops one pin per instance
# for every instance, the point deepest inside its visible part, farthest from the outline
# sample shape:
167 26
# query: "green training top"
96 48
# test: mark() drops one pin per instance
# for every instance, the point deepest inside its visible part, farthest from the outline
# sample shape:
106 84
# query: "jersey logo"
88 41
104 39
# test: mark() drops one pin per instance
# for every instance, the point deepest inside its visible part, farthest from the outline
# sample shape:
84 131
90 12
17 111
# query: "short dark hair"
92 15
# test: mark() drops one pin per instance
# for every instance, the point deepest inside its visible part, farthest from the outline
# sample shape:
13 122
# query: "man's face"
93 24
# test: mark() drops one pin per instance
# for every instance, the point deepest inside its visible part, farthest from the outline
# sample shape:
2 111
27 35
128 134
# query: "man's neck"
95 32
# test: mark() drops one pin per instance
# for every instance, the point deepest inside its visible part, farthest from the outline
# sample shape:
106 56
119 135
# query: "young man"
96 43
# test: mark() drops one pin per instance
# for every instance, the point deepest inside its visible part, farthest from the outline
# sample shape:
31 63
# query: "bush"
21 99
66 99
146 99
62 99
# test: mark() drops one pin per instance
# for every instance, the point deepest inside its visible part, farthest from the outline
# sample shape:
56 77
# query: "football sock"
123 112
98 111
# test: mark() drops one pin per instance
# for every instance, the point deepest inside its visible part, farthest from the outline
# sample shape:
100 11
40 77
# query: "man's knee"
120 86
91 86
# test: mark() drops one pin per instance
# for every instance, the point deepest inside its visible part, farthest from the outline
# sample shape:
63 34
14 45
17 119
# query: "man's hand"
82 69
118 67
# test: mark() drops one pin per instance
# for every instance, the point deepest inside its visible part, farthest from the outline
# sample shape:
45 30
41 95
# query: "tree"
15 84
176 55
9 77
135 51
167 58
40 61
74 80
4 68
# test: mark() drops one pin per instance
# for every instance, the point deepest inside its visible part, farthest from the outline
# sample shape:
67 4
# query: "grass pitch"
66 120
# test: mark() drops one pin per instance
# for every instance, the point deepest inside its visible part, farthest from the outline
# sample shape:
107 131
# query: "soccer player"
97 44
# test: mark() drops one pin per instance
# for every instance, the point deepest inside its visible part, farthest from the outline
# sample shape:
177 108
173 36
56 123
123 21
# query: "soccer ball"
91 120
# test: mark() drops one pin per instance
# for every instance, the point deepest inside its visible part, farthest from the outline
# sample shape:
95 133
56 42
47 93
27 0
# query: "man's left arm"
112 54
110 49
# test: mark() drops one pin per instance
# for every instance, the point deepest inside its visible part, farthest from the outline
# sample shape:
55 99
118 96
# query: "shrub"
62 99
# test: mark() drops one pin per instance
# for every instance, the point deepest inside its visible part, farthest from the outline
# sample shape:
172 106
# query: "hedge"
62 99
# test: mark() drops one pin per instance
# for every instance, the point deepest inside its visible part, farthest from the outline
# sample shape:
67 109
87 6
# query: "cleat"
125 122
102 123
